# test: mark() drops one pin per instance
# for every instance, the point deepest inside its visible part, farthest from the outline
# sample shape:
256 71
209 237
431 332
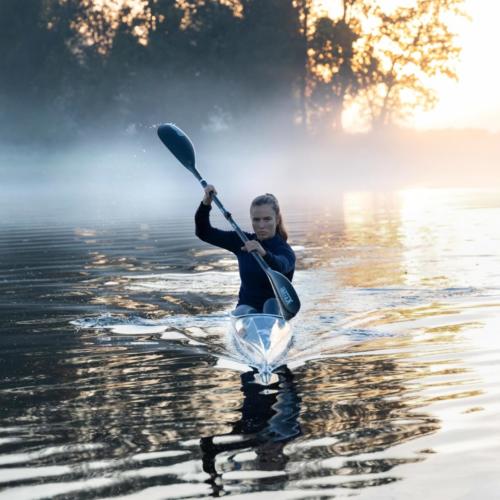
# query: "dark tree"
34 68
72 67
381 59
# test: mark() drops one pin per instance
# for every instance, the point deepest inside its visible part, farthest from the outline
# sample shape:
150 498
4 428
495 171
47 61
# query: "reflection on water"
256 442
117 380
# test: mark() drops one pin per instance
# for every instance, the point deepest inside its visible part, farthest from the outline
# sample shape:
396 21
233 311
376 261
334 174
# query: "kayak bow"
262 339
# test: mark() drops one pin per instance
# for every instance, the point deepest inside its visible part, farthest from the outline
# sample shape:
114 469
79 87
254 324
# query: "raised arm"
228 240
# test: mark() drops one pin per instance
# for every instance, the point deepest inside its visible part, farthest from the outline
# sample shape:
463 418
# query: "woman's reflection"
269 420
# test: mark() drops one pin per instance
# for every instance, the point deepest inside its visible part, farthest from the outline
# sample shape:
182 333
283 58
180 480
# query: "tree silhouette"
383 60
71 66
304 15
411 45
339 66
270 56
34 67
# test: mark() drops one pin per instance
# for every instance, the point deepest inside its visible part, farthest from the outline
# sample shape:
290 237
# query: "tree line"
72 67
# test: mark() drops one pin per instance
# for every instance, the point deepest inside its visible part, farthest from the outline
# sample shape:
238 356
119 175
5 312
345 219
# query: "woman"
269 241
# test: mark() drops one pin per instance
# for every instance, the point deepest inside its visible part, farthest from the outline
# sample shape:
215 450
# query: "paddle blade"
285 294
179 145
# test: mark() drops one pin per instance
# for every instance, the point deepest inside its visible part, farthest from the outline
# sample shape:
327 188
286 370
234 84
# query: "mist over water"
134 174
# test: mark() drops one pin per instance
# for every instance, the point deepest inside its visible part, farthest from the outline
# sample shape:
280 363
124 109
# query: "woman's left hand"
254 245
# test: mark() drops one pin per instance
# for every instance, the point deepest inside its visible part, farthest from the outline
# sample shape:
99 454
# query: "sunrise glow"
473 101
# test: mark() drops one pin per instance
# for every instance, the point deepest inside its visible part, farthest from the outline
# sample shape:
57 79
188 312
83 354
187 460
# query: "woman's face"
263 221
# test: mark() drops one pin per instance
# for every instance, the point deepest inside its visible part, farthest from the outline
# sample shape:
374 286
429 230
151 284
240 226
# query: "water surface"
117 380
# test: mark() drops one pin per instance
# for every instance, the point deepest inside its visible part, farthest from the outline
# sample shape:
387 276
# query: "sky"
473 101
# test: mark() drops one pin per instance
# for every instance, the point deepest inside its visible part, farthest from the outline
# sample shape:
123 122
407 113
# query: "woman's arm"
228 240
282 261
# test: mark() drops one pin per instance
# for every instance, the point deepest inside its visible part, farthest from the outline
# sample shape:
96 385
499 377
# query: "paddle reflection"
269 420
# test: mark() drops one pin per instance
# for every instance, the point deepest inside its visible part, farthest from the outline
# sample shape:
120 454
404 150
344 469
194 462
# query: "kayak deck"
262 339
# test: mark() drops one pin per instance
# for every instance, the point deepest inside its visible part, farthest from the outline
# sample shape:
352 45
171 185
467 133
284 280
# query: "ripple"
117 380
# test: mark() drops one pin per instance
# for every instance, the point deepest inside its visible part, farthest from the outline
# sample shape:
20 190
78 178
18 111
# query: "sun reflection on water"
443 240
119 366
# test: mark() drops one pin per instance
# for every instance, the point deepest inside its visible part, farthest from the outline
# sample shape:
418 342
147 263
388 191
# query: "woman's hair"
270 199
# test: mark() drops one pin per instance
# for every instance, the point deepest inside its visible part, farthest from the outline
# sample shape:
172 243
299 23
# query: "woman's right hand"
210 191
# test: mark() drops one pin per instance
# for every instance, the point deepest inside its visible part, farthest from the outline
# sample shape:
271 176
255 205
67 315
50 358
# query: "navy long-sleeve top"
255 287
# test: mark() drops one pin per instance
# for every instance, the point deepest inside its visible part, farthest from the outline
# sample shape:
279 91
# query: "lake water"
117 380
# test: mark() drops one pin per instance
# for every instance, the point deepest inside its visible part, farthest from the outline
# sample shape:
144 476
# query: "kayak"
262 339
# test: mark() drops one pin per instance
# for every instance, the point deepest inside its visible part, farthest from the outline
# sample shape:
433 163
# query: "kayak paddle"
182 148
